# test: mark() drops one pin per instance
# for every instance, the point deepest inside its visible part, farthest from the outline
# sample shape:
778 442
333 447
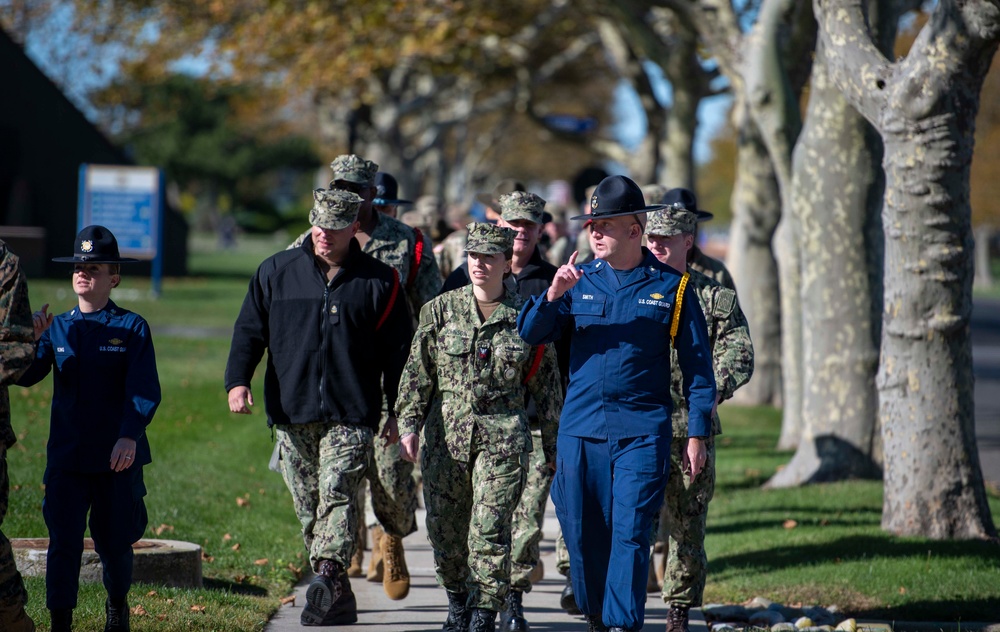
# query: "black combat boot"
567 601
345 609
483 620
116 616
458 613
324 590
512 617
595 623
677 619
62 619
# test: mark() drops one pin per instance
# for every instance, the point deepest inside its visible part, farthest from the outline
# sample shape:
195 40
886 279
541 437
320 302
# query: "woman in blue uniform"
105 391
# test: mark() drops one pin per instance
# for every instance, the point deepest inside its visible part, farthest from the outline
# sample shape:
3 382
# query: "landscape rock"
766 618
803 622
718 612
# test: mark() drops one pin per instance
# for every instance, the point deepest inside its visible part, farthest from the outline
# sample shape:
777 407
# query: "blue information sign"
129 202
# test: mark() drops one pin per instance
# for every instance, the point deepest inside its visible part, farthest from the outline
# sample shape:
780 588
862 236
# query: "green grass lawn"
205 459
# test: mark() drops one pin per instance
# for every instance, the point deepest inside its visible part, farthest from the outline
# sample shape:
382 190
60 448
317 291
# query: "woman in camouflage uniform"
467 376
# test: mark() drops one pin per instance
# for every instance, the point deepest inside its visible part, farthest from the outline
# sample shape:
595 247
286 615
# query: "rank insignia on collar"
656 295
86 245
116 341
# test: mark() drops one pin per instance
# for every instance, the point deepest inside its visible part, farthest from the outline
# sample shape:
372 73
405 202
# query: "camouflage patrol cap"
489 239
334 209
673 220
522 205
353 168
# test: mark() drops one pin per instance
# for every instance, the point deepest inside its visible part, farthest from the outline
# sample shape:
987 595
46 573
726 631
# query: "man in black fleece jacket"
337 331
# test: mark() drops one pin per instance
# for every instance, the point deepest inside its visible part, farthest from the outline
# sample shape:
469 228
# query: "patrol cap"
489 239
492 200
334 209
687 199
673 220
617 196
353 168
95 244
387 191
523 205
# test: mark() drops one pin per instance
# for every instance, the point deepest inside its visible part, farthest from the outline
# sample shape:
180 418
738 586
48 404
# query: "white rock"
848 625
803 622
783 627
723 627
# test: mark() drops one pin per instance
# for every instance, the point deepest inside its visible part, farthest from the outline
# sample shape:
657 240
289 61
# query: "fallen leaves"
790 524
261 562
163 528
197 608
139 611
290 599
205 557
242 502
235 547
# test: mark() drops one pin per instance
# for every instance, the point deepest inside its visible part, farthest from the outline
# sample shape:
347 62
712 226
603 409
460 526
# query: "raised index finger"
572 258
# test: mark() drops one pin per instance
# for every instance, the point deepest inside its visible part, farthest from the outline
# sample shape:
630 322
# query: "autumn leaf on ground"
261 562
197 608
227 538
290 599
206 557
151 593
235 547
902 590
170 602
164 527
139 611
789 524
161 617
242 502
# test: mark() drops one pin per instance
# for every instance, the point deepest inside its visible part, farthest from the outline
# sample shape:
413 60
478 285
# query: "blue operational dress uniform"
105 387
613 452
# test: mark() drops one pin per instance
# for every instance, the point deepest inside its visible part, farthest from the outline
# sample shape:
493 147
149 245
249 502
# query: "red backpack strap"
392 301
418 255
535 363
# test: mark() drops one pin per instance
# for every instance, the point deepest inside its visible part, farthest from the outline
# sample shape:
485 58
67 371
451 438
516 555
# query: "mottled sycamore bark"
686 76
756 206
924 106
836 188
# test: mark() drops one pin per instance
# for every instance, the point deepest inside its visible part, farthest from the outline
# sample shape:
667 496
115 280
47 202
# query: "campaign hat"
616 196
387 191
686 199
95 244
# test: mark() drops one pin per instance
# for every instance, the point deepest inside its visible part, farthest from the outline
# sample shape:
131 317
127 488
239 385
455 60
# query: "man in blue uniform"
613 454
104 393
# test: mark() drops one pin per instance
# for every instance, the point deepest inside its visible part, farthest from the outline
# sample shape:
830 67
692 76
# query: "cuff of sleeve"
132 430
406 426
699 425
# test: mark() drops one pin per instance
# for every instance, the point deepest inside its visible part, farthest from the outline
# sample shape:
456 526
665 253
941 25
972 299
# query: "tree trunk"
756 210
836 186
924 107
676 168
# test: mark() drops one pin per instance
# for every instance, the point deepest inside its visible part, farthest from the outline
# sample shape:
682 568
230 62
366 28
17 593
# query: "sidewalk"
426 608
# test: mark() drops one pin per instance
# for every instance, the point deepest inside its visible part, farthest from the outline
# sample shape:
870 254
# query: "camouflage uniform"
393 488
710 267
450 253
17 349
468 379
686 501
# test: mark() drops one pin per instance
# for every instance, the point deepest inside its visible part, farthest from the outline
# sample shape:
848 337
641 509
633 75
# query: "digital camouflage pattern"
685 506
353 168
529 515
710 267
671 221
334 209
466 379
450 253
522 205
17 351
489 239
323 465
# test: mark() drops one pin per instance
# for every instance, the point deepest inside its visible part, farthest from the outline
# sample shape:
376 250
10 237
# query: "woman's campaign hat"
616 196
686 199
95 244
387 190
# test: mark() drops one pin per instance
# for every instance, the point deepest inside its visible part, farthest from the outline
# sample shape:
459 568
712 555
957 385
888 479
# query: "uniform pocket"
588 310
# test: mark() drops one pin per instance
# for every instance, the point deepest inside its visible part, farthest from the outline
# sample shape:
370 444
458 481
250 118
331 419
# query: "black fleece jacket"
331 347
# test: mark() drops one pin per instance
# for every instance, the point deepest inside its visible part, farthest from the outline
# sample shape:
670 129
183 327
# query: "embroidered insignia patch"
86 245
116 341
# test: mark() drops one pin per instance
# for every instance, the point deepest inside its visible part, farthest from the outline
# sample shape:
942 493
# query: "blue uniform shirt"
105 386
619 382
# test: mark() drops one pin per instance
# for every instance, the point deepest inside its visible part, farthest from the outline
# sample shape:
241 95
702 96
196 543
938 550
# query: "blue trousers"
606 494
117 520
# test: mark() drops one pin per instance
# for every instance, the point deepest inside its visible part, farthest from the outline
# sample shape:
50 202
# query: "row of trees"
851 234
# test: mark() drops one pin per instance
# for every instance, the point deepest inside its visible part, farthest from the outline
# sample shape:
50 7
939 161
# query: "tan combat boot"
375 564
537 573
396 578
356 568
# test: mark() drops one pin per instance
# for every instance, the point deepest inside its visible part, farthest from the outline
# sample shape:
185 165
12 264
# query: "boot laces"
394 556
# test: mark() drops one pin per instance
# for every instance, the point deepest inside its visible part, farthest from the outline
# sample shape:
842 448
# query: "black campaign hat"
95 244
386 190
686 199
616 196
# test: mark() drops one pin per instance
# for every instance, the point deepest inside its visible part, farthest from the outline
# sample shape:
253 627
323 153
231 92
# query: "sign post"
129 202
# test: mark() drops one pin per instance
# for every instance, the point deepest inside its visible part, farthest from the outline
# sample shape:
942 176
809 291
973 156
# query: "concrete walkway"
426 608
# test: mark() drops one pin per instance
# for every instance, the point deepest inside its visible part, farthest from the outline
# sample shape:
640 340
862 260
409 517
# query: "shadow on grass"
849 549
221 585
977 610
